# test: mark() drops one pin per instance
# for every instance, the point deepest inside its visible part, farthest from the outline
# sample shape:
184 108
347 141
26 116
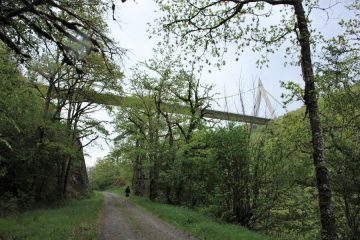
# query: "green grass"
77 219
194 222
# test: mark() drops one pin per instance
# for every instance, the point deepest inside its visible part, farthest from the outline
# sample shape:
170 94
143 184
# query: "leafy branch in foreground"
26 26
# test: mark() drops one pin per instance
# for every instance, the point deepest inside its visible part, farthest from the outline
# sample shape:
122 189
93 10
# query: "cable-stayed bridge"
134 102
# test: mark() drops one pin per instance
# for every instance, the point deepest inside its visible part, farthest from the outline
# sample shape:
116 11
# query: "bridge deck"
134 102
115 100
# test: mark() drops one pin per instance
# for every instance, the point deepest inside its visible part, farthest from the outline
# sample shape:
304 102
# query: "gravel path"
124 221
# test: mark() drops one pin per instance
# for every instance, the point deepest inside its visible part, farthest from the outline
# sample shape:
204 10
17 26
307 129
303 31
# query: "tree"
26 26
17 127
338 79
285 189
232 153
207 24
108 172
69 97
159 84
28 168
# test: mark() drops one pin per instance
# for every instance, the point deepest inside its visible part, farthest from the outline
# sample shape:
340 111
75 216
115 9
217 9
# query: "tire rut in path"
124 221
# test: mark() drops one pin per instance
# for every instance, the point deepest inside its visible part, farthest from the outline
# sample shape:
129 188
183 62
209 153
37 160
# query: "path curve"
123 221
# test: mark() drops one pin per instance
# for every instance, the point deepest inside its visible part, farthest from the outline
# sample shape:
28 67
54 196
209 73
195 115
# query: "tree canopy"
29 26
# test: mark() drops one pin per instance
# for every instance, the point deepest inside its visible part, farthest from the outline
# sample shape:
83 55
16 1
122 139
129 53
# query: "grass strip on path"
77 219
195 223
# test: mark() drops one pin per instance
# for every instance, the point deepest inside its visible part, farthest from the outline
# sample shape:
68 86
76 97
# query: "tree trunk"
178 193
153 185
327 218
154 170
66 177
138 175
154 176
154 155
171 156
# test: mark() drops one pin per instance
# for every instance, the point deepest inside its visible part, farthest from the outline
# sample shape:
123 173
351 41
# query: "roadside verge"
76 219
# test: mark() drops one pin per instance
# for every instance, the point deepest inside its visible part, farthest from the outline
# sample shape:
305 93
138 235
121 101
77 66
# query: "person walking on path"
127 192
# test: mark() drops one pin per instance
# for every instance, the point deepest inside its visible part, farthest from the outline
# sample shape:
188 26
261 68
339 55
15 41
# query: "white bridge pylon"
262 93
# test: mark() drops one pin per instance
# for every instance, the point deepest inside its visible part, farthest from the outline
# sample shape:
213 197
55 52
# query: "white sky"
130 32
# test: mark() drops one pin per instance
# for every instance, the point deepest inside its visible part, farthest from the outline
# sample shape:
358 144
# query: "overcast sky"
130 31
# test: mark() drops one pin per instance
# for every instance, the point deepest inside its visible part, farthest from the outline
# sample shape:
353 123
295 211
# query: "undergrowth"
76 219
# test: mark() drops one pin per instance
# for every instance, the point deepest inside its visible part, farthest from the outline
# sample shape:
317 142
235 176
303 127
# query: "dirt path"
124 221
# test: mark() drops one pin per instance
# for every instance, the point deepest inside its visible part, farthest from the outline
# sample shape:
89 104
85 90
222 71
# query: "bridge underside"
134 102
115 100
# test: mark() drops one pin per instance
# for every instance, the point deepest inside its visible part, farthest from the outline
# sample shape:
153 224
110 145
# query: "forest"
296 177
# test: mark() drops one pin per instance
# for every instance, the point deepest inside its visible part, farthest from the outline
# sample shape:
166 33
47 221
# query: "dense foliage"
46 102
45 123
28 166
109 173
